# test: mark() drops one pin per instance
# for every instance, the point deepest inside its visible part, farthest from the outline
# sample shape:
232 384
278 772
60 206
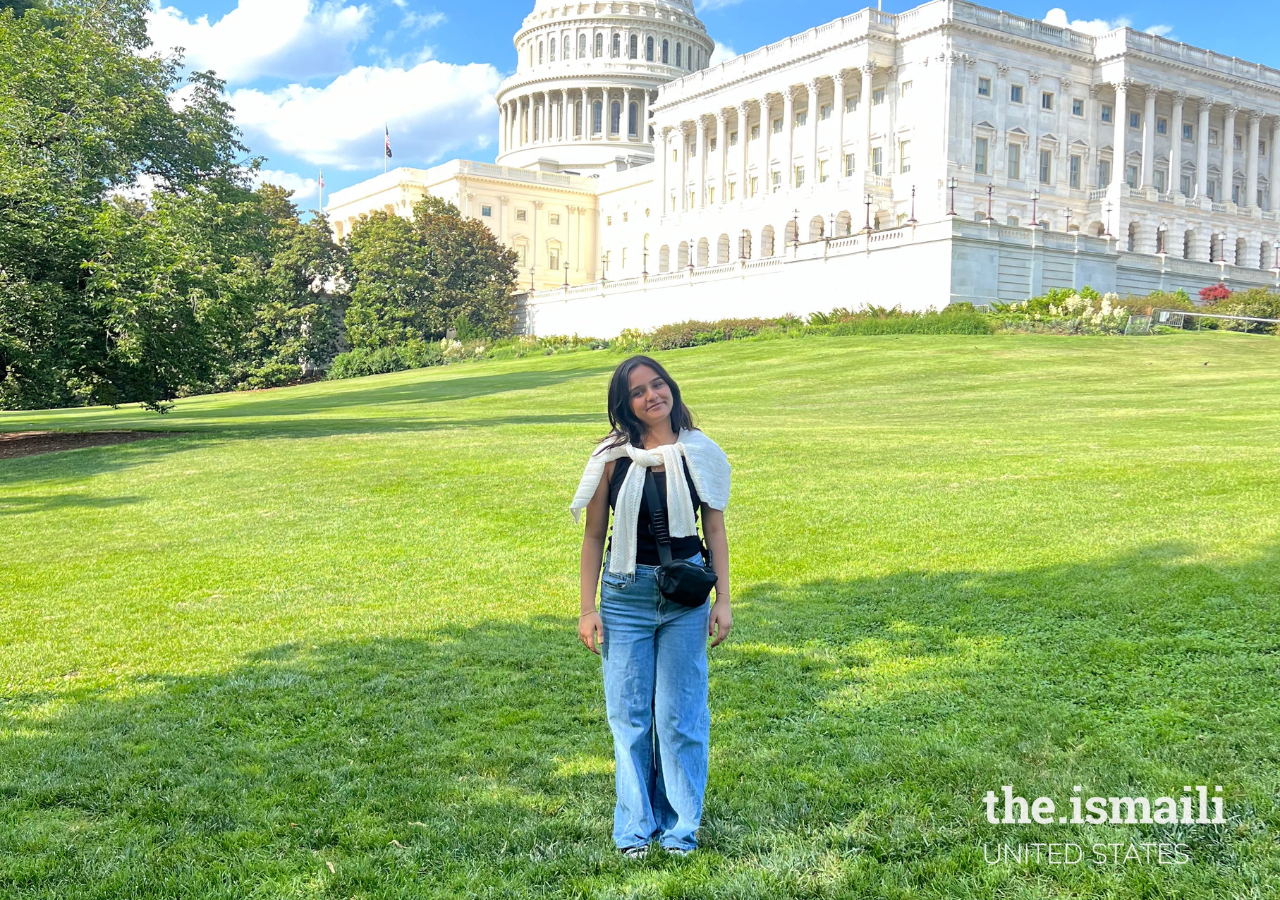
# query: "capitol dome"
585 76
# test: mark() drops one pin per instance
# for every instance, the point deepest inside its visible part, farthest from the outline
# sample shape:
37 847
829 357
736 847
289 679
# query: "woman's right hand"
591 631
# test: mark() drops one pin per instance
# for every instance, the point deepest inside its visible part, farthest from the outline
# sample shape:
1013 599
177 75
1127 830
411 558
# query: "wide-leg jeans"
654 655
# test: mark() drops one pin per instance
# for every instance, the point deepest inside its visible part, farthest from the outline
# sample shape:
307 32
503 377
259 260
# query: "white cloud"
303 188
1096 27
416 23
705 5
298 39
433 108
722 53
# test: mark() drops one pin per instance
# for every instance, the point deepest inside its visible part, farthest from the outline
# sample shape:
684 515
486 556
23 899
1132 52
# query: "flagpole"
321 185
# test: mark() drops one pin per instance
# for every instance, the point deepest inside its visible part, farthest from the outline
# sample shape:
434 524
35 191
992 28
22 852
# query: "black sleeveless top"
646 543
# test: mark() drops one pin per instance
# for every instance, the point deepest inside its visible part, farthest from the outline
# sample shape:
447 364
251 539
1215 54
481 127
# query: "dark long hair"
625 426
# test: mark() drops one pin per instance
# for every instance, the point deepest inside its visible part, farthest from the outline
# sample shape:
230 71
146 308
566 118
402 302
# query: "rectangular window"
984 87
555 218
801 118
625 216
1159 180
1104 172
1162 125
755 185
1187 133
1186 185
1213 137
1046 100
522 215
1015 93
1074 172
904 89
714 141
1077 108
1212 189
799 174
1235 194
1262 148
777 126
732 189
733 139
904 156
980 156
675 154
1131 176
822 171
693 200
877 160
755 132
1106 112
1015 162
848 165
776 177
1135 120
553 258
1046 166
711 196
824 112
1237 143
877 96
486 211
850 104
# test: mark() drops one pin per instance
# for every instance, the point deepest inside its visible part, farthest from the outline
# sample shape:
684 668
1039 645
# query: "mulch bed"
31 443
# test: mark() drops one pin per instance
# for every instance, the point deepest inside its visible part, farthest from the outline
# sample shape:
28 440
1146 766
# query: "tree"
413 280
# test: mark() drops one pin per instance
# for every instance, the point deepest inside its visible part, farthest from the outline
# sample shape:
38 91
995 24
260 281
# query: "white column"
663 140
813 130
1274 186
1228 153
744 140
864 115
1121 113
789 128
685 127
766 135
1175 145
546 117
840 102
700 143
1149 138
584 111
502 128
1251 159
1202 147
624 120
722 153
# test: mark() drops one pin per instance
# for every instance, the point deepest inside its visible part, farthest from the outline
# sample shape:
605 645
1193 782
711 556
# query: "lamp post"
1107 209
566 274
644 265
912 220
831 226
795 229
691 252
1277 262
867 200
1035 200
604 266
990 220
742 244
1067 212
951 186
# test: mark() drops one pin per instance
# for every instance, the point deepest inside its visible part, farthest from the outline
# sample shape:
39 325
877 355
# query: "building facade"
1150 163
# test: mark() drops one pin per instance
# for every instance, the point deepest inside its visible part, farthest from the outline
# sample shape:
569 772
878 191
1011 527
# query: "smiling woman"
653 643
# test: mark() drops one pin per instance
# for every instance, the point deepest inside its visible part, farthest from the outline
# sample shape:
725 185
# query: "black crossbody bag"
681 581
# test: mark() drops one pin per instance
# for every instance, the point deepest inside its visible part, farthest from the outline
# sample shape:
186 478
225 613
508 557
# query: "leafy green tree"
413 280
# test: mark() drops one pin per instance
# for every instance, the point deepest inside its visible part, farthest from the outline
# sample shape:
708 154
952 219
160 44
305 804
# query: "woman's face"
650 396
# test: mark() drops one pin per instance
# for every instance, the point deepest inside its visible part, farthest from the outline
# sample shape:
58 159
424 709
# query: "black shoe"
636 852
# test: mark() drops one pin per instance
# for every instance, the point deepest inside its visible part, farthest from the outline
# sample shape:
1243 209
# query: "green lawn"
322 643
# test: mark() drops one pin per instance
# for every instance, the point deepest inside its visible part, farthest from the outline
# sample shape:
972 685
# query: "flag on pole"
320 201
322 179
387 142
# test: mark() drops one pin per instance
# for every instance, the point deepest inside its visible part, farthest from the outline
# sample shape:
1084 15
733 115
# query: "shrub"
1178 299
1257 302
1215 294
396 358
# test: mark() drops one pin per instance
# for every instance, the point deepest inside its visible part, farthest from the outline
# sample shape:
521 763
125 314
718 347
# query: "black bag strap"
658 516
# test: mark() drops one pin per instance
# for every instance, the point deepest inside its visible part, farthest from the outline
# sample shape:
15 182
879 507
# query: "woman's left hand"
721 621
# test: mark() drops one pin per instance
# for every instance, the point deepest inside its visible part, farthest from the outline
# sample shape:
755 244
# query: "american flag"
387 142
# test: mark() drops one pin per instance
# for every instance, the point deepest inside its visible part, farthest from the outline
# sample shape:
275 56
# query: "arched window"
703 252
1188 244
744 244
844 224
597 112
722 249
789 234
617 45
552 56
582 46
666 51
615 117
633 114
1265 255
678 51
648 49
599 45
664 259
635 46
682 255
539 52
766 242
1242 252
1133 236
815 228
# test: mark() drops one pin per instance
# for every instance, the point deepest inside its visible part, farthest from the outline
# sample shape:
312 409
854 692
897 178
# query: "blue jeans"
654 655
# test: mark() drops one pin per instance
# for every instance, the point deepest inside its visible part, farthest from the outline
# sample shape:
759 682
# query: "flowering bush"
1066 312
1215 294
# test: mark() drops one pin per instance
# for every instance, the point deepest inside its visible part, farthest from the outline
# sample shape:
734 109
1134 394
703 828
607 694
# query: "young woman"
654 651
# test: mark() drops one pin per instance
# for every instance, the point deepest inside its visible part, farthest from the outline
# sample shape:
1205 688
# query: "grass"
322 642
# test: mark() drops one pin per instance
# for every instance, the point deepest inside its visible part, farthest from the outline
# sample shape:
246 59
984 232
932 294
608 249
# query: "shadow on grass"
856 725
16 506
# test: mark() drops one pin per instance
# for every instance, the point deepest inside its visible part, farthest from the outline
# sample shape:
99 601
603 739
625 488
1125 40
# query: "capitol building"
951 153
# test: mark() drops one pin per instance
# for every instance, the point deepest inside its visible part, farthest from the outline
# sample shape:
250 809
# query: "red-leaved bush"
1215 293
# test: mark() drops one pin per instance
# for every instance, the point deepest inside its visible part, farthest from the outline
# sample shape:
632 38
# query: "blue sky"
313 81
